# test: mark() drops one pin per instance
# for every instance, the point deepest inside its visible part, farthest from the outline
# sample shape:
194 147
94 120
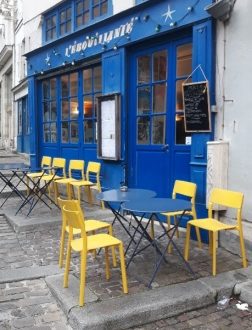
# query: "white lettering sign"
100 39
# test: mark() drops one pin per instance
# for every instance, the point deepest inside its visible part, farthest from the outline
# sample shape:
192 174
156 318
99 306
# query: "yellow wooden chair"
188 190
45 162
94 169
90 226
58 166
75 166
227 198
86 244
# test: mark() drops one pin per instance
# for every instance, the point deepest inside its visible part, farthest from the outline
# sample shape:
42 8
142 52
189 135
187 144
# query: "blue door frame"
157 166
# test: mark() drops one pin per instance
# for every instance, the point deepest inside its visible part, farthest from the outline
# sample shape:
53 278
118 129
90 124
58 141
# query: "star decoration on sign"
169 13
47 59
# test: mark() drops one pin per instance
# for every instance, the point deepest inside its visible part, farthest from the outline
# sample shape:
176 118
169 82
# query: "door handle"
165 147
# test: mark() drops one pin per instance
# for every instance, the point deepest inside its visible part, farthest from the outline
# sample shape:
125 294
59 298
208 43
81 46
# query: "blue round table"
153 207
116 196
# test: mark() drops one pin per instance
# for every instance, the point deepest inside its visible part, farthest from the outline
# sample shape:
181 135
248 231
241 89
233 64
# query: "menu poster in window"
108 124
196 107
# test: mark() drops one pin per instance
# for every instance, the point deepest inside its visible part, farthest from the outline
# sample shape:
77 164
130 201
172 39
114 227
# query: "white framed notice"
108 126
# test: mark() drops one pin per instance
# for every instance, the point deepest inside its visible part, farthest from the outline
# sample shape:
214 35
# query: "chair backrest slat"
74 220
76 166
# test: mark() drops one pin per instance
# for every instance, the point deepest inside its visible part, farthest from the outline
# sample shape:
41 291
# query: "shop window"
69 108
50 28
65 20
183 69
151 97
92 79
49 110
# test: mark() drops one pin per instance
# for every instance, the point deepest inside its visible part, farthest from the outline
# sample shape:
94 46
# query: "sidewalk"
31 281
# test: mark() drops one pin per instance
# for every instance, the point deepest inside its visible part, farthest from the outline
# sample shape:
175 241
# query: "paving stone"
23 322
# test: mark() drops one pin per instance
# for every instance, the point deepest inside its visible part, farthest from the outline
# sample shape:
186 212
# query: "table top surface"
13 166
156 205
116 195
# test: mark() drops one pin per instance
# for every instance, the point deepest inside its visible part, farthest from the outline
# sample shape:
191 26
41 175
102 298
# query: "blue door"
159 148
23 136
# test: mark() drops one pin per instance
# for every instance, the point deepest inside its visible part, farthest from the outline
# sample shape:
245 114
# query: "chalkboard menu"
196 107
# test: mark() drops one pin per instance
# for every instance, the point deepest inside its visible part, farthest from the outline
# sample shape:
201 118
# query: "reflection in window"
158 130
184 68
65 20
49 110
160 65
143 130
159 98
144 100
92 84
87 10
143 69
50 28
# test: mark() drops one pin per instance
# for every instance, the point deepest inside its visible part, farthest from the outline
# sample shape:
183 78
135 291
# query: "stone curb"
152 305
28 273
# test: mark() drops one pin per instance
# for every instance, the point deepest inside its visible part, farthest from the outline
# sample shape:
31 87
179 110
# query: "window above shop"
77 14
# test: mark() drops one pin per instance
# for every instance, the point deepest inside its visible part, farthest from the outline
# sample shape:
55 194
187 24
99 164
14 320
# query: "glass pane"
181 136
68 26
143 69
46 132
86 4
53 88
95 2
53 34
143 130
160 65
95 104
87 80
46 89
62 29
159 98
179 95
158 130
184 60
86 17
73 83
96 12
53 132
88 106
64 109
144 100
79 7
97 79
54 20
74 109
46 111
68 13
104 8
79 21
53 111
64 86
88 131
64 132
74 132
62 16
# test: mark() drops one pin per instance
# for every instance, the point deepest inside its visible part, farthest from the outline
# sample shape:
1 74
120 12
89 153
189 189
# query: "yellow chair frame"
74 165
46 161
57 164
86 244
229 199
92 168
91 226
187 189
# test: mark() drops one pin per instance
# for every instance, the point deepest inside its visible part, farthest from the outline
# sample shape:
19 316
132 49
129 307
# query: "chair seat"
75 230
95 242
35 174
211 224
95 225
172 214
80 183
49 177
64 180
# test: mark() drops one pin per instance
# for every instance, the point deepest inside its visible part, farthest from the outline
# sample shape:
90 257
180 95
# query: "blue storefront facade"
144 54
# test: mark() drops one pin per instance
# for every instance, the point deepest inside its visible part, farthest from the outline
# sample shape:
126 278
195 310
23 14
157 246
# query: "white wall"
233 83
121 5
35 8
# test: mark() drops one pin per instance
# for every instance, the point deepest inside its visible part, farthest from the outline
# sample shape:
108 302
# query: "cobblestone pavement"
206 319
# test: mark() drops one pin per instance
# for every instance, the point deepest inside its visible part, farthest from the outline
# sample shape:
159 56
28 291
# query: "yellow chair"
188 190
227 198
90 226
45 162
86 244
75 166
58 166
93 168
